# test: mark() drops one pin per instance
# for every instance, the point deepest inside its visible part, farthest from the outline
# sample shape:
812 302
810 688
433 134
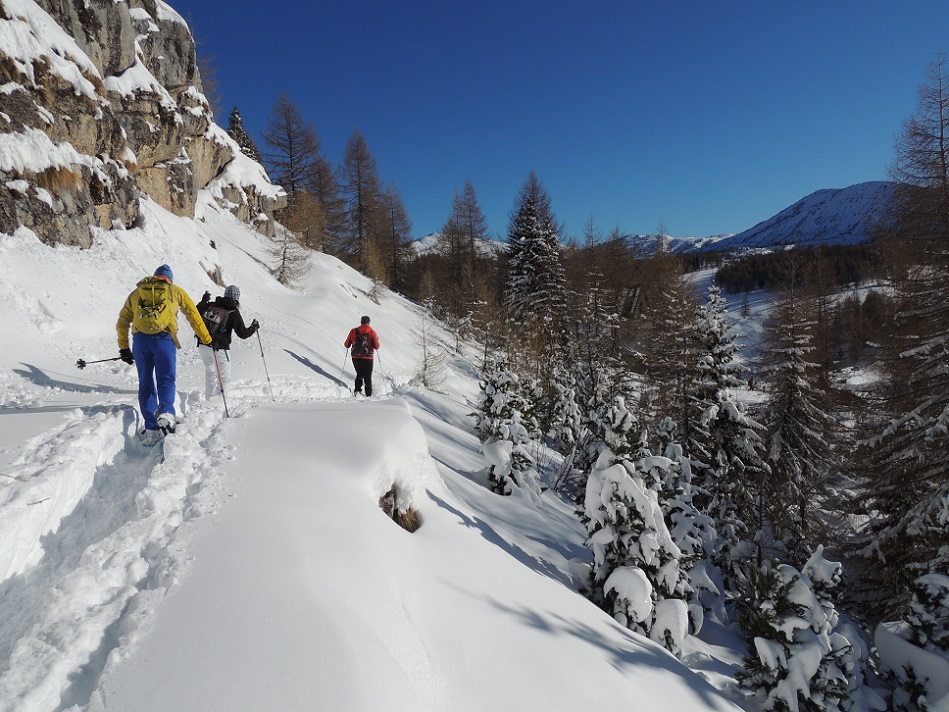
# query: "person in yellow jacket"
152 312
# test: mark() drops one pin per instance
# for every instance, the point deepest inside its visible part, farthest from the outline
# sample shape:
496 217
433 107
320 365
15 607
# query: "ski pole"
220 381
381 372
269 384
342 371
82 364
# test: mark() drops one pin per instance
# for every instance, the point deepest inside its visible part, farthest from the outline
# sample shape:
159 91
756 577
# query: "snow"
138 79
253 568
32 151
31 37
899 655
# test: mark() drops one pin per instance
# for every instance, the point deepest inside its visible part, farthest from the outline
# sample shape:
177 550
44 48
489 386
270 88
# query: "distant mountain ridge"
842 216
833 216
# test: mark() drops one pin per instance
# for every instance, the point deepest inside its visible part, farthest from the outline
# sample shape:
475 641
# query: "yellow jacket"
180 299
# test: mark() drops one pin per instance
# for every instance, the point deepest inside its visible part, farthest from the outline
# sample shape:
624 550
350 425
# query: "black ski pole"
220 380
82 364
269 384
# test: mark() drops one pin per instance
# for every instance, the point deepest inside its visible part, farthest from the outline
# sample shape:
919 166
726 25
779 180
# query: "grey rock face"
127 112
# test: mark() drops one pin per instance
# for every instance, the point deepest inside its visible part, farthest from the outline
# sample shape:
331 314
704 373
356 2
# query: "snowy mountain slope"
836 216
253 568
428 244
844 216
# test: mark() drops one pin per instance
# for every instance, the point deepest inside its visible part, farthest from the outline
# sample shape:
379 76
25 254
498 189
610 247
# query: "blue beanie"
164 271
232 292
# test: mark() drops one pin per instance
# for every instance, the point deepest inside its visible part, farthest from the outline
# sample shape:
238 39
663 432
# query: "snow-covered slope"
429 244
844 216
253 568
835 216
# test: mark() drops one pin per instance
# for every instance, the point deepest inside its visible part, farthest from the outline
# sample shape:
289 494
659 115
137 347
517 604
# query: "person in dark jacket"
364 342
228 308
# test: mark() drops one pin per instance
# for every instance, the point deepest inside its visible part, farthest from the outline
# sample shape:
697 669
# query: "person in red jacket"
364 341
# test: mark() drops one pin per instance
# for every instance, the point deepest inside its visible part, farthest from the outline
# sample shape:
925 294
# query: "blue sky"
703 117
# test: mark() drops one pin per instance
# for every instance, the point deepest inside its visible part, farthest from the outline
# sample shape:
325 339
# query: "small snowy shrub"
915 652
635 560
510 465
795 661
928 615
693 532
499 399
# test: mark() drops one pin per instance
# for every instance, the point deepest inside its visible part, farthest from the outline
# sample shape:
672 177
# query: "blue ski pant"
156 360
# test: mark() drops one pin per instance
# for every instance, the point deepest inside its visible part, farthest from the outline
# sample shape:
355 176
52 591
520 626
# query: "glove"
206 297
126 355
255 325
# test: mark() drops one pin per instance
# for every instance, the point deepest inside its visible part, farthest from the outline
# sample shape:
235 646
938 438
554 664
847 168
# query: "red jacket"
363 329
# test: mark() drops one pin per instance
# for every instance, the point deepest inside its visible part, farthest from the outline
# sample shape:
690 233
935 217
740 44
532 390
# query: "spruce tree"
799 430
716 370
692 531
796 659
636 573
905 459
535 291
726 442
504 439
236 130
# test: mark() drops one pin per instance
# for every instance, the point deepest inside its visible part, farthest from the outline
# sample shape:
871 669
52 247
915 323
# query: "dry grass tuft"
57 179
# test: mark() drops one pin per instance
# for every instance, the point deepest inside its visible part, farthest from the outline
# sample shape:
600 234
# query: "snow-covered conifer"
499 399
504 438
692 531
510 465
725 442
535 293
928 614
796 660
636 574
716 369
236 130
799 430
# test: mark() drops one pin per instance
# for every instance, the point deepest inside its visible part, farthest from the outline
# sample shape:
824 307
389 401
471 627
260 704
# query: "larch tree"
323 186
395 235
361 189
452 246
921 166
293 146
293 149
906 458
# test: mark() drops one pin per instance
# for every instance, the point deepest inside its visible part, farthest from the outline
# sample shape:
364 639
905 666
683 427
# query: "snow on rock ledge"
118 83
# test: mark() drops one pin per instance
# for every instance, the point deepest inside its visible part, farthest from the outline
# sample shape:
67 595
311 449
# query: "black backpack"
215 318
362 344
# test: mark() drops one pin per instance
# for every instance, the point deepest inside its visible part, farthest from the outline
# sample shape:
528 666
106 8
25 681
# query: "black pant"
363 368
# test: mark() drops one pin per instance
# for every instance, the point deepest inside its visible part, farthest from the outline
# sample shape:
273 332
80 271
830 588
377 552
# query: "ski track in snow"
97 543
99 538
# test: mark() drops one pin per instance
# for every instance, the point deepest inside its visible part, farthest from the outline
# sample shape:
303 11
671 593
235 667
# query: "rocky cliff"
100 103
